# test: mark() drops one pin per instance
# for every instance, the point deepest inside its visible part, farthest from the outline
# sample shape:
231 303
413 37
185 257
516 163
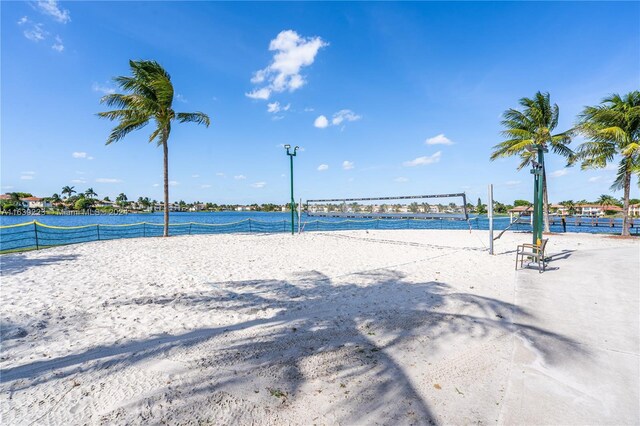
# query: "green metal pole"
540 199
292 200
535 206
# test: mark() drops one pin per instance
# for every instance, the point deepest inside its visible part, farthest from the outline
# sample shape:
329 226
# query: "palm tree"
570 205
121 199
69 190
527 129
149 95
90 193
607 200
613 130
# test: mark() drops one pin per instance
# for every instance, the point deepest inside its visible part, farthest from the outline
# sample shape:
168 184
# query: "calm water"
480 222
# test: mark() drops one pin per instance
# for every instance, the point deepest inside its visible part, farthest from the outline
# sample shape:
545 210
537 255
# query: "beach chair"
534 252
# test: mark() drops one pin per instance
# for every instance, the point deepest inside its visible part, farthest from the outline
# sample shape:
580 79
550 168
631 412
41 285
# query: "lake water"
476 222
22 233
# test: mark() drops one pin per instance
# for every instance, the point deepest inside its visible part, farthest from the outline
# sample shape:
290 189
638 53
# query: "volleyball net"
432 206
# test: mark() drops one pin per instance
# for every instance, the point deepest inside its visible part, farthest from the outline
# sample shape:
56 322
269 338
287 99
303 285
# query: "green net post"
35 230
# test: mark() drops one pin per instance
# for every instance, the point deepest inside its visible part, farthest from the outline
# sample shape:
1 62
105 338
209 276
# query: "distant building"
595 209
34 203
634 210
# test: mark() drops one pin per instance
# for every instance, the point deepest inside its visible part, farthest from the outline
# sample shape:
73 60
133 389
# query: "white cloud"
559 173
344 115
195 176
58 46
23 20
35 33
293 52
259 184
337 119
105 90
173 183
7 187
263 93
239 177
155 185
309 109
29 173
275 107
50 7
321 122
440 139
204 186
27 177
422 161
181 98
595 178
81 154
108 180
323 167
78 181
512 182
401 179
220 174
347 165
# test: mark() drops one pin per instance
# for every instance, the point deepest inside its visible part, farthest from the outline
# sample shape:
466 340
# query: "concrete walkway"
589 372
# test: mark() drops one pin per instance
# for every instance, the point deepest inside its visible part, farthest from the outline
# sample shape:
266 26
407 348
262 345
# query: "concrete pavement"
588 370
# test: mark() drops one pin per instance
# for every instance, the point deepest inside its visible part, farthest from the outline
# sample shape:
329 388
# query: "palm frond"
623 169
125 127
194 117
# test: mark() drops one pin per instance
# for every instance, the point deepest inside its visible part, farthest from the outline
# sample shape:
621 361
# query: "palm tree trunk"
625 204
165 149
545 201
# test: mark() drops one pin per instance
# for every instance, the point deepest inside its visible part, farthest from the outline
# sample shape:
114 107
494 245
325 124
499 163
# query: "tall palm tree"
529 127
148 95
612 130
90 193
69 190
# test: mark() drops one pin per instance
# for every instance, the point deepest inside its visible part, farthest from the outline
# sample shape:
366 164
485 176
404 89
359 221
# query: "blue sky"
384 98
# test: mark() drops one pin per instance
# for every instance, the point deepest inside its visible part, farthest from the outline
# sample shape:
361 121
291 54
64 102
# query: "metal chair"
533 251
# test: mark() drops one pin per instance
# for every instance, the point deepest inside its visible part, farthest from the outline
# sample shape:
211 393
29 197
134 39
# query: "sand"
357 327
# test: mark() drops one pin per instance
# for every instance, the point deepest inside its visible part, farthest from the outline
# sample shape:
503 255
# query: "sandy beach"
357 327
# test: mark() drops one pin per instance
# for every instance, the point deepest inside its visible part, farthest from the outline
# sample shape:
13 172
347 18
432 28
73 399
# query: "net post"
250 226
190 227
299 215
35 230
490 218
464 206
98 230
144 229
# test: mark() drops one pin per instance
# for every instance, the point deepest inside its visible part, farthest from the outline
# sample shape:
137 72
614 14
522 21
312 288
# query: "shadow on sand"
299 331
11 264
